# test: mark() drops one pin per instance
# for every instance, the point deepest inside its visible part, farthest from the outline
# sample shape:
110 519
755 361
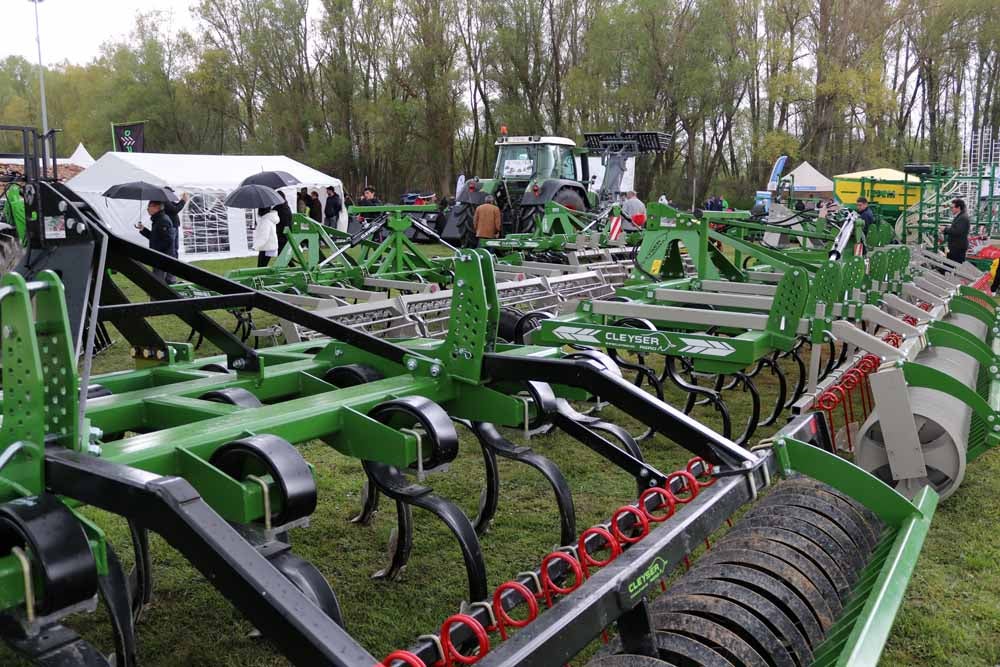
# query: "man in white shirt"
633 206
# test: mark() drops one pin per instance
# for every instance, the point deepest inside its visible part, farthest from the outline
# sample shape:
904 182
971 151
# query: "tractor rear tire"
527 216
463 214
571 199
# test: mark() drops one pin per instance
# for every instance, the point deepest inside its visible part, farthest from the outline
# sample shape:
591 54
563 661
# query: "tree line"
407 94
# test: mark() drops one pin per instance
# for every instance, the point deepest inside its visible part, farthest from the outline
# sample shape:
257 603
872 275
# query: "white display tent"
209 230
81 157
809 179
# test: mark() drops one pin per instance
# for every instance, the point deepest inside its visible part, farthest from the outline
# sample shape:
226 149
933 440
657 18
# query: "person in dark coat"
160 235
332 208
957 234
866 214
173 210
368 197
284 212
315 207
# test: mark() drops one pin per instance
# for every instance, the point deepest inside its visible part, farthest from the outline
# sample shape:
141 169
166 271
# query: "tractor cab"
532 171
529 158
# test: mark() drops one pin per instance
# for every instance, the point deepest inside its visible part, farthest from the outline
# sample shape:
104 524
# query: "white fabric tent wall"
209 230
809 179
81 157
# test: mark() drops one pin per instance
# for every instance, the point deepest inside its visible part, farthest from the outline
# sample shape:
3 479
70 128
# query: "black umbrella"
272 179
253 196
138 190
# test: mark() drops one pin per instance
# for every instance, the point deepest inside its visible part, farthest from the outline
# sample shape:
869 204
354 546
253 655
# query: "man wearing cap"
160 235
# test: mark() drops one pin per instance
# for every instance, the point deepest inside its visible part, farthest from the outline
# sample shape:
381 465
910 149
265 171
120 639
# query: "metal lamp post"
41 70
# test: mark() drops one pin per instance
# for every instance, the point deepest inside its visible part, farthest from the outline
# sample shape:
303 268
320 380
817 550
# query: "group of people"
715 203
308 203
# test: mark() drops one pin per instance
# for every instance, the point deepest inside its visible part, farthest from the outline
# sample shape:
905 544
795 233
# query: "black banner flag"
130 137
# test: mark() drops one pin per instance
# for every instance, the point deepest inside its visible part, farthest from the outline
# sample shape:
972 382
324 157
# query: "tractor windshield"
528 161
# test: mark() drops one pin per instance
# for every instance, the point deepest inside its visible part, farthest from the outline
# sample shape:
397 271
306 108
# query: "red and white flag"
615 230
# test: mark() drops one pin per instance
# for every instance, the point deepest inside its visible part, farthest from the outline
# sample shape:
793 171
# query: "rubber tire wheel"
571 199
527 215
464 213
97 391
214 368
232 396
507 329
351 375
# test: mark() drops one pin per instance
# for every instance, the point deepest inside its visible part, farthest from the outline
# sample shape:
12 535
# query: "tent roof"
807 177
883 174
221 172
81 156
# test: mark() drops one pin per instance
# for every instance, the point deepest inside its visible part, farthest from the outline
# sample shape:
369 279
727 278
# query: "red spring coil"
640 517
504 619
405 657
869 363
910 319
666 499
689 491
451 653
706 471
551 588
845 399
586 560
828 402
855 378
925 306
893 339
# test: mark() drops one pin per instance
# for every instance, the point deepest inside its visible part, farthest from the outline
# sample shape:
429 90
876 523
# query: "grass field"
951 614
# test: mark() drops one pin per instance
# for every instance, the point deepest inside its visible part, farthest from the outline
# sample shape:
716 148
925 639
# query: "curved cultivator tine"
490 437
694 390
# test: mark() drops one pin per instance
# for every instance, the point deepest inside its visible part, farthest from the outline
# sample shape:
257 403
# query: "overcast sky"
74 30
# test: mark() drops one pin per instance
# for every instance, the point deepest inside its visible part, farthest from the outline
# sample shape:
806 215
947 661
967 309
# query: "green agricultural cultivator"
379 275
909 333
206 453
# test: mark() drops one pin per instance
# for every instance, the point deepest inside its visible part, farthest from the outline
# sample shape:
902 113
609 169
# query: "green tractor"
534 170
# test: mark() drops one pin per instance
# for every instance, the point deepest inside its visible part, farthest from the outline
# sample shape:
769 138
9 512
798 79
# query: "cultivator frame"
201 451
619 591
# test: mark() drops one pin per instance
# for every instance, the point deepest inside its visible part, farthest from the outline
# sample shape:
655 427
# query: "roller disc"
802 553
798 583
627 661
710 633
856 530
687 651
820 530
867 516
818 543
944 458
772 615
774 590
734 617
856 523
